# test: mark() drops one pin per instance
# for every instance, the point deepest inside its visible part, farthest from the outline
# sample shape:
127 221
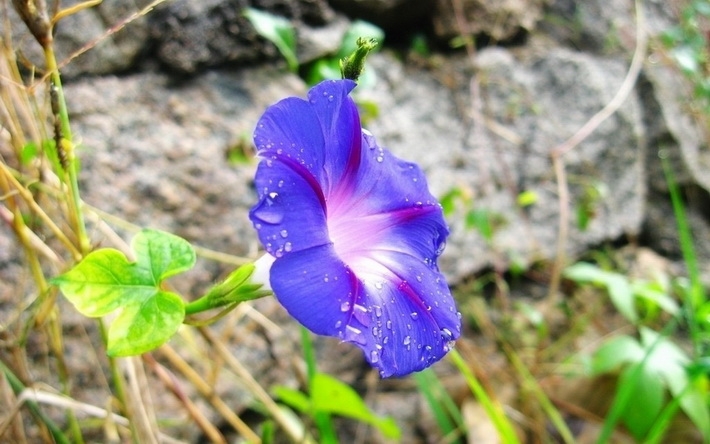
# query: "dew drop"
446 333
281 183
386 340
338 324
407 340
330 98
284 234
378 310
325 279
380 159
389 324
345 306
378 285
440 248
265 211
374 356
355 335
288 247
414 315
419 278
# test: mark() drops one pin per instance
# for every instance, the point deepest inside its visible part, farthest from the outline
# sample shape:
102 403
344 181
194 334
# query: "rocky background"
159 106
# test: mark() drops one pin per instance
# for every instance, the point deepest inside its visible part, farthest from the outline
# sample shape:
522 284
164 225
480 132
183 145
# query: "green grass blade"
493 409
695 297
443 407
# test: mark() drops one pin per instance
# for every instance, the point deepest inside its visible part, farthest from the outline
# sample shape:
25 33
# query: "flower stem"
65 148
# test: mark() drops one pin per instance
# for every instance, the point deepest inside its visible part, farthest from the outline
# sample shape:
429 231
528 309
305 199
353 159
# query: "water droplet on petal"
378 310
288 247
374 356
360 313
338 324
378 285
407 340
284 233
354 335
265 211
414 315
446 333
345 306
440 248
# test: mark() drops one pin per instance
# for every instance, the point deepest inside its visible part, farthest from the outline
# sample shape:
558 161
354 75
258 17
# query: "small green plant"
328 395
106 281
688 45
278 31
627 295
484 221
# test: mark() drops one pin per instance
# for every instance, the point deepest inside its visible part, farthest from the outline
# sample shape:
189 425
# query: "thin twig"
207 392
211 432
585 131
254 387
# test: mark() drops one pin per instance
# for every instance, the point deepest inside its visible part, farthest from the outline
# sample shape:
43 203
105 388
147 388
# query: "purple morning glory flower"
354 231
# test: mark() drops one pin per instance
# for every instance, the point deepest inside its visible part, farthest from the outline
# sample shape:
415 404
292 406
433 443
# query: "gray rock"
393 15
500 20
602 26
87 27
191 35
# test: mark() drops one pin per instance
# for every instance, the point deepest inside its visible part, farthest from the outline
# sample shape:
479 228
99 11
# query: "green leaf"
141 327
28 153
615 353
332 396
293 398
647 391
617 285
527 198
656 295
162 254
278 31
448 200
480 220
105 281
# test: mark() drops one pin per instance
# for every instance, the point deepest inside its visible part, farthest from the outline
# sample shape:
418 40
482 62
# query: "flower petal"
317 289
290 215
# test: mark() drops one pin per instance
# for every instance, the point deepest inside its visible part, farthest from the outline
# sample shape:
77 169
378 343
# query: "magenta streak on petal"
306 175
343 189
